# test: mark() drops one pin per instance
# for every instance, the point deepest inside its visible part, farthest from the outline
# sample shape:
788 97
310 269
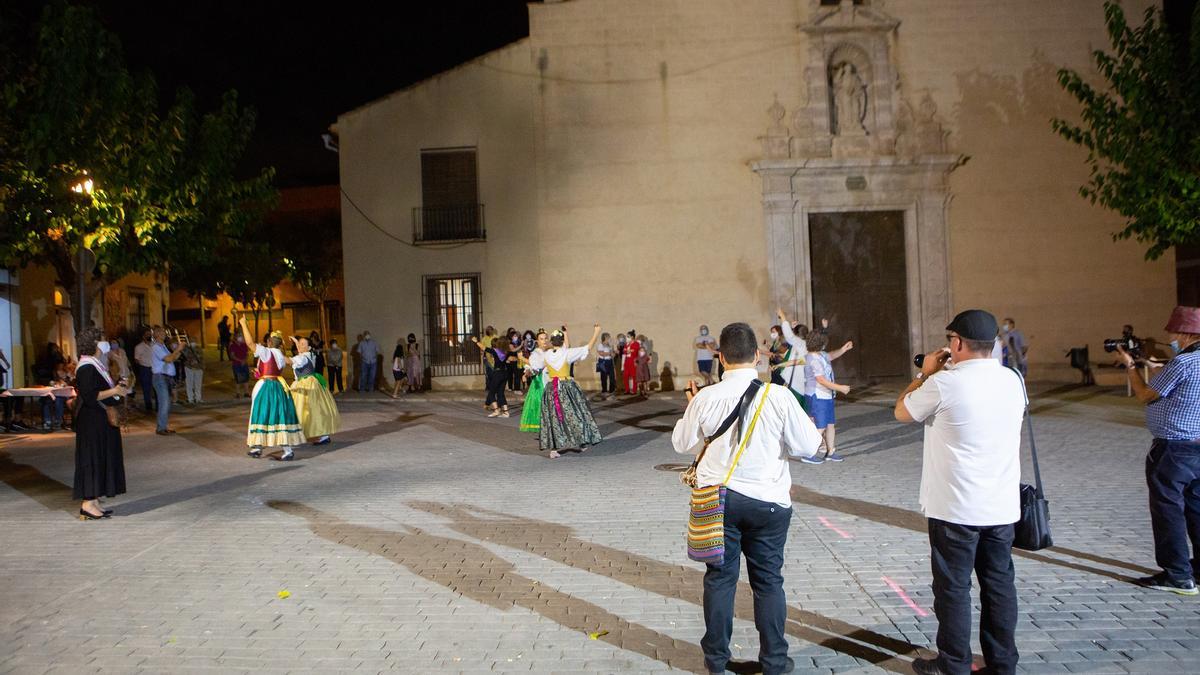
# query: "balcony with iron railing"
432 224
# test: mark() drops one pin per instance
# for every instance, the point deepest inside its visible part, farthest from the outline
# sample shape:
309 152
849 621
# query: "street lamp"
85 260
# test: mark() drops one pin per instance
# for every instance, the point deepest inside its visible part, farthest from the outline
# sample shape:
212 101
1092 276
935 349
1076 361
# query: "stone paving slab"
428 538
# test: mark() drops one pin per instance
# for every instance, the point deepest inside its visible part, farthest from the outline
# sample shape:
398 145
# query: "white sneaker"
494 413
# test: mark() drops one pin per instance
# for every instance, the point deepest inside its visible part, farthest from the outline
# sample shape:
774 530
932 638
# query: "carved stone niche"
850 84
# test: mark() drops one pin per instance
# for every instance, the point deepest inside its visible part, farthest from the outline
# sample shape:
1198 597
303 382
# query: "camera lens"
919 360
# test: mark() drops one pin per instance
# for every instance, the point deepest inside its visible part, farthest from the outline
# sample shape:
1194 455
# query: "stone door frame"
919 188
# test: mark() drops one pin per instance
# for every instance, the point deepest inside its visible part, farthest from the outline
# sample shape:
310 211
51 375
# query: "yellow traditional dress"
317 412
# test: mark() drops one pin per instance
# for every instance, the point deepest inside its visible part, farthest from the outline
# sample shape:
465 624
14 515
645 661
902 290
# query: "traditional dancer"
567 421
318 414
531 410
273 421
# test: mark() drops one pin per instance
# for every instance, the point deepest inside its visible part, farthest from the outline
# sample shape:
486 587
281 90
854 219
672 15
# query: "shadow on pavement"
145 504
31 482
559 543
911 520
474 572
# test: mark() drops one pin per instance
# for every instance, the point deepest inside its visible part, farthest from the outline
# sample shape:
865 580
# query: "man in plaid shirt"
1172 401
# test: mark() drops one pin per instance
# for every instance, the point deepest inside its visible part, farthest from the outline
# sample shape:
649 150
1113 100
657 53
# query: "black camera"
1133 347
919 361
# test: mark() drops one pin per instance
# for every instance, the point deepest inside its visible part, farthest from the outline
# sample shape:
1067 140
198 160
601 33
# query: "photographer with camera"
970 490
1172 401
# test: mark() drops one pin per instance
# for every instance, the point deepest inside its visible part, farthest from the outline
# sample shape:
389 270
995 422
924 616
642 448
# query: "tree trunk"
201 299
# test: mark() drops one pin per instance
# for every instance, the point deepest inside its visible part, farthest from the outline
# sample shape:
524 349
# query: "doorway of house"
860 283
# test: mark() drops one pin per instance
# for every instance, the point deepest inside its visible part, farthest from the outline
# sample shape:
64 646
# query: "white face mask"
774 335
103 347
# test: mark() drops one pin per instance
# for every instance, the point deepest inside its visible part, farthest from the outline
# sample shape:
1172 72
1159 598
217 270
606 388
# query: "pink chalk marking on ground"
904 596
840 532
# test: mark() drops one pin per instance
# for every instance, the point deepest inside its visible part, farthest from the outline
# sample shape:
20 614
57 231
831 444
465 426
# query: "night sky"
300 66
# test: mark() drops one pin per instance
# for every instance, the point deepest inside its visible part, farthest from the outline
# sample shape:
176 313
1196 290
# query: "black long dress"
99 459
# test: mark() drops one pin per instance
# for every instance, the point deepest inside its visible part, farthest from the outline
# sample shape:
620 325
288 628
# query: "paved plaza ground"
428 538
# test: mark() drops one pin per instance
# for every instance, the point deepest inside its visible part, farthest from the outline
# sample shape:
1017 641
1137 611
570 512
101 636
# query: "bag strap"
738 411
746 438
1028 423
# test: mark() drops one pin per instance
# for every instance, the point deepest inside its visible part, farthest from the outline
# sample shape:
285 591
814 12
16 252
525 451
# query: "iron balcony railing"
448 223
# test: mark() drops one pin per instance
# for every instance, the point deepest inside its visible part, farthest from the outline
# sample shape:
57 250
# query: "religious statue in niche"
849 100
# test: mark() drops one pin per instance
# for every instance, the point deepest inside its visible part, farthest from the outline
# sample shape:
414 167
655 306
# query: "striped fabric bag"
706 520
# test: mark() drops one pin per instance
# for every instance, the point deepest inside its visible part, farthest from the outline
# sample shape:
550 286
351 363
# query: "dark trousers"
758 530
335 378
515 372
955 551
222 348
146 380
1173 478
607 383
495 387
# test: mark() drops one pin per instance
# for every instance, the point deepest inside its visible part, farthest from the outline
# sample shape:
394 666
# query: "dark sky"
301 65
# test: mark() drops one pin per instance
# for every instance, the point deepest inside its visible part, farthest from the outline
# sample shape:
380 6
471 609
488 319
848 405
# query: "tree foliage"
1142 130
166 196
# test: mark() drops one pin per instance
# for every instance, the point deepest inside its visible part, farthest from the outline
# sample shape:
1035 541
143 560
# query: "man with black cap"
972 409
1172 401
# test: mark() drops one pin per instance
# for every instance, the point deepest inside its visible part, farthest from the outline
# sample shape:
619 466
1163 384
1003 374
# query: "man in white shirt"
758 505
970 490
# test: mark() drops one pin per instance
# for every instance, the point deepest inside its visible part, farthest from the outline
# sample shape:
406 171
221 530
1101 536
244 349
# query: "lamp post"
83 262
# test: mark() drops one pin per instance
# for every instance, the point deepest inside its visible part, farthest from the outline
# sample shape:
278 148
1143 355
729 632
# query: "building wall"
479 104
45 316
622 131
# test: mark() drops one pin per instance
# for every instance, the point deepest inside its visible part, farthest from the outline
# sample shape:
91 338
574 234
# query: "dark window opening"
450 208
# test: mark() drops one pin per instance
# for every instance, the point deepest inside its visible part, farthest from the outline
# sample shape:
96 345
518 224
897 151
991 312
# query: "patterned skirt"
531 411
315 409
273 421
566 419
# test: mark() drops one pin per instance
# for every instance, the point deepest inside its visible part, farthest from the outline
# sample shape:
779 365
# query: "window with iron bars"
452 316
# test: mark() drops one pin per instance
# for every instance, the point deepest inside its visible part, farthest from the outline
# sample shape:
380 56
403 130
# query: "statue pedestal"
851 145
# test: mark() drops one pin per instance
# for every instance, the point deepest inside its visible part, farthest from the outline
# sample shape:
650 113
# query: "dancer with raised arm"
273 420
567 422
318 414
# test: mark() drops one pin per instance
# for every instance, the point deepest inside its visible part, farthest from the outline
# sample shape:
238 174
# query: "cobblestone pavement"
428 538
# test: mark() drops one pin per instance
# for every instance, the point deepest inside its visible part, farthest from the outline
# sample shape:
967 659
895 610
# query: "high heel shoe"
84 515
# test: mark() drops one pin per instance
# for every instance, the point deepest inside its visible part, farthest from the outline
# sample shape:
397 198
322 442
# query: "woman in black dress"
99 461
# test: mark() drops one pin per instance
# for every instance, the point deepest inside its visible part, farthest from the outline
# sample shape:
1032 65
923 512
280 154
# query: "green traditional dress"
273 420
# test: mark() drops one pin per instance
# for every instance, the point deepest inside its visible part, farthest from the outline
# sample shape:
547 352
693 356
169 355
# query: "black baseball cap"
974 324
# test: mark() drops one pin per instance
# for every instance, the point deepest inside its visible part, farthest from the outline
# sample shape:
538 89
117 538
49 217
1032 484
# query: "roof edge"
465 64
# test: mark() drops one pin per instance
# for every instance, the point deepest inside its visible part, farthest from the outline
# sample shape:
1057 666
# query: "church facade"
660 165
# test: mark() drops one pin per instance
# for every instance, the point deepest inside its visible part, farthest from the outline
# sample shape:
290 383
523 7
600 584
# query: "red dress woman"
629 365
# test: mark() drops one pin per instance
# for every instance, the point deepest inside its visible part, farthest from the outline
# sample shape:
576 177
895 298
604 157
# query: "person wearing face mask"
705 345
1015 347
99 458
333 358
1172 399
368 351
416 366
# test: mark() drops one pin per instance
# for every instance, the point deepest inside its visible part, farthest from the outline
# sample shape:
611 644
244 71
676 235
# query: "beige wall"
618 189
381 173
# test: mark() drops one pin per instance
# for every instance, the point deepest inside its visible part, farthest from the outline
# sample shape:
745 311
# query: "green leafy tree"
1142 130
164 195
314 262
